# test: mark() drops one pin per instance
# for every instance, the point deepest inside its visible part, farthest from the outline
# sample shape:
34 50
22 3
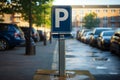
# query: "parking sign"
61 19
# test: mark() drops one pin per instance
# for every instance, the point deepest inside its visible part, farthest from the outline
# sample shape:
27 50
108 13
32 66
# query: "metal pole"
30 45
30 19
61 56
44 30
50 37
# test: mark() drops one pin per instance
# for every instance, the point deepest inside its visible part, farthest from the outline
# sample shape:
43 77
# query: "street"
15 65
80 56
103 65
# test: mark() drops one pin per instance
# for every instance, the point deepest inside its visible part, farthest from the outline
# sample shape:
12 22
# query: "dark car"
115 43
80 33
41 34
103 40
86 37
96 33
34 34
10 36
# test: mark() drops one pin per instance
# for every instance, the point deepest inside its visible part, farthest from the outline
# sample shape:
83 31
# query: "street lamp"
44 29
44 40
30 45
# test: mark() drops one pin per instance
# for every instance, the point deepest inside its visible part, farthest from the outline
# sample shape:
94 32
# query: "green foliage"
40 9
91 21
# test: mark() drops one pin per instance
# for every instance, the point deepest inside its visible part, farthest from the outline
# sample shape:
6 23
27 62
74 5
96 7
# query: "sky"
86 2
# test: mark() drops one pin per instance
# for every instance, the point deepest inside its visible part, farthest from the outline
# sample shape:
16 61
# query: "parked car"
10 36
80 33
74 32
103 40
86 37
82 37
115 42
34 34
95 34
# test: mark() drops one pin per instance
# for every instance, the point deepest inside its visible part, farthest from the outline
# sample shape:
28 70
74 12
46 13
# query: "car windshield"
108 33
98 31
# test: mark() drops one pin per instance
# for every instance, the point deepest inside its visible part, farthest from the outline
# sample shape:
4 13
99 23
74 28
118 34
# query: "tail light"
35 34
16 35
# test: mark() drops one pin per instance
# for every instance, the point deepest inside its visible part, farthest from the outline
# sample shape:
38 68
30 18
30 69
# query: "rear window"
34 31
9 27
3 27
98 31
17 28
108 33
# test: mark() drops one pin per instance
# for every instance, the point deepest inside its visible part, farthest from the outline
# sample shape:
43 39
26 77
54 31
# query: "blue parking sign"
61 19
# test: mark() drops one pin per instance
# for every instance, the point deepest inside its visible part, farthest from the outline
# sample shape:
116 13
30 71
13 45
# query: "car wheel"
3 44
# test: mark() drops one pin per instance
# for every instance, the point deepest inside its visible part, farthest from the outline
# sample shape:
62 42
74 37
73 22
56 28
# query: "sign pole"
61 27
61 55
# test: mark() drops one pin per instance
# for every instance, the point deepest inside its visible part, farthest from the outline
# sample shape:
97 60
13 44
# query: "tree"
40 9
91 20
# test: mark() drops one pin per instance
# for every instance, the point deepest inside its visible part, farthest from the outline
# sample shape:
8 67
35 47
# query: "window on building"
113 10
97 18
82 12
97 11
119 11
105 11
112 18
89 11
112 25
119 18
105 21
105 25
81 19
119 25
73 19
73 12
105 18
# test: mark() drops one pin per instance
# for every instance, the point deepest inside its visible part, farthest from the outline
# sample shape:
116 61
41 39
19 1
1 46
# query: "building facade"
15 18
109 15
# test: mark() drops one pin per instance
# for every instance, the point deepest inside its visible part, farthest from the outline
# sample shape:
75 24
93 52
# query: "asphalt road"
101 64
15 65
80 56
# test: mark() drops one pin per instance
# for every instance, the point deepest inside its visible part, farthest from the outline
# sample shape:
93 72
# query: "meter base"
69 75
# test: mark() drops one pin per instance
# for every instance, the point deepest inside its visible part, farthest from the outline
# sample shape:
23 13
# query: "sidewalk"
15 65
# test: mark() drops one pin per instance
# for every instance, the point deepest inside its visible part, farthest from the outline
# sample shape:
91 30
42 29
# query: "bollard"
61 56
50 37
44 40
30 47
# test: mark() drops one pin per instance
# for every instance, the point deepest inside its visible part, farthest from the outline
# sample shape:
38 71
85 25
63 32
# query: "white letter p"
58 18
